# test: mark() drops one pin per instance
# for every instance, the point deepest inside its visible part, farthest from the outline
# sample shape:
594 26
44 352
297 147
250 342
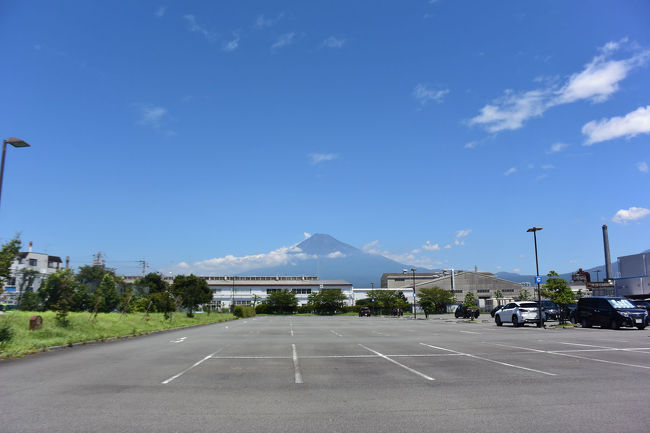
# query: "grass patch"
83 327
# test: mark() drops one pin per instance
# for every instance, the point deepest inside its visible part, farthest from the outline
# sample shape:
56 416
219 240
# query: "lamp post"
539 292
415 313
15 142
232 299
597 271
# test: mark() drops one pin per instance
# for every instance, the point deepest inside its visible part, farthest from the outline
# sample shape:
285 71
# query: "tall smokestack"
30 246
608 260
67 262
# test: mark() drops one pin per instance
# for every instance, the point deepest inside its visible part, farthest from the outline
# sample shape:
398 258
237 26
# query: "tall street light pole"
539 292
415 313
15 142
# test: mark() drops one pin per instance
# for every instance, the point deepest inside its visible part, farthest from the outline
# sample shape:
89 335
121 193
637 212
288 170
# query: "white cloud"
631 214
448 246
471 145
231 45
317 158
642 166
336 255
160 12
634 123
548 166
307 235
463 233
262 22
406 258
232 264
416 251
573 261
152 115
541 176
499 268
424 95
193 26
557 147
430 247
510 171
598 80
457 242
516 270
333 42
283 41
371 248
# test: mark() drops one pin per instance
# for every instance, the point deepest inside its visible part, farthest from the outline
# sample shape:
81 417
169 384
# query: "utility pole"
143 263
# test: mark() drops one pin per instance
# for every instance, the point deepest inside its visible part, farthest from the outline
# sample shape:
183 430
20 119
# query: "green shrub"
6 333
263 309
305 309
243 311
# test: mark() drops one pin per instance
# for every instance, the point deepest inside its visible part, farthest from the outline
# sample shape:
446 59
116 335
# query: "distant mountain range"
330 259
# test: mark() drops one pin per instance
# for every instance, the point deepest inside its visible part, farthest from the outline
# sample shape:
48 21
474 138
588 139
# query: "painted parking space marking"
176 376
470 332
296 366
397 363
563 353
491 360
336 333
178 340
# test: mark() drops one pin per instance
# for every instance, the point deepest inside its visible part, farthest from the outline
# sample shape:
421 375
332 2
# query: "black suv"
609 312
364 311
466 312
551 309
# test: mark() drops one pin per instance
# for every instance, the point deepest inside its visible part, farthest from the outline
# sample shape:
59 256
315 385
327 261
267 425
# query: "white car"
518 313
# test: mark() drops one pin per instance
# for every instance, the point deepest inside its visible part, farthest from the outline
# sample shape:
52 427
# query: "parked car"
570 312
640 303
550 309
364 311
610 312
518 313
466 312
495 309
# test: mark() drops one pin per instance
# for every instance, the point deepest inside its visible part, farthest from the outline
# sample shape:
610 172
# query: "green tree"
57 292
107 291
26 281
557 290
327 301
193 290
29 301
580 294
386 300
435 299
82 300
498 294
8 253
524 295
92 276
282 301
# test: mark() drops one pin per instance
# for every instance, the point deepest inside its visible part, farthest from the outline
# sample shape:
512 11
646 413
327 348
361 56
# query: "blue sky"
221 133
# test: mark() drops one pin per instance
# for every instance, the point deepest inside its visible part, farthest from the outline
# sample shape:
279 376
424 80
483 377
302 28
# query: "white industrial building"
234 290
633 278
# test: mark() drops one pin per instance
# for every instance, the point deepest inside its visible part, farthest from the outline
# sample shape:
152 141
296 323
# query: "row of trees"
98 290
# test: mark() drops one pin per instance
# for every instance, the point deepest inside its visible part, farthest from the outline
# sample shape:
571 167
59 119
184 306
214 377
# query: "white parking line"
165 382
291 327
491 360
577 356
296 366
397 363
470 332
336 333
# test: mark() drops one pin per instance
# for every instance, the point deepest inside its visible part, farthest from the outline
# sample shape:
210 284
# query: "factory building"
231 290
632 279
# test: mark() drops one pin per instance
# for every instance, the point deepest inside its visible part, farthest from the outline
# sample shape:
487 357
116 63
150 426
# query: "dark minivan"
609 312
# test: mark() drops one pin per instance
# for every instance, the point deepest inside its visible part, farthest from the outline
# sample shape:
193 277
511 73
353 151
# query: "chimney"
30 246
608 260
67 262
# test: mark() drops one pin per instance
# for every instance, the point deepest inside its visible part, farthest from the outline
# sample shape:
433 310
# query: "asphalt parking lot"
338 374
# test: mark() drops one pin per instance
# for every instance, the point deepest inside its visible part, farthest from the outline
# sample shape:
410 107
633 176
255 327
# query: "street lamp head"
534 229
413 269
16 142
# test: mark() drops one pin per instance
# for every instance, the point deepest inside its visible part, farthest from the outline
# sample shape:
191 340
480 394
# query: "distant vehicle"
518 313
610 312
642 304
466 312
364 311
495 309
570 312
550 309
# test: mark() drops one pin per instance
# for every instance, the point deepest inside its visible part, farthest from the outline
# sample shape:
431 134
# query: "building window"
458 291
32 262
269 291
483 291
301 291
399 279
508 290
242 302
